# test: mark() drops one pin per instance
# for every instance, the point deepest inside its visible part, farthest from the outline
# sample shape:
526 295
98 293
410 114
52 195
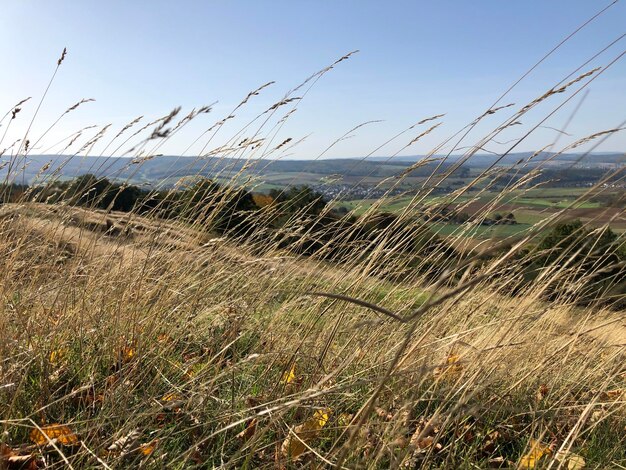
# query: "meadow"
195 330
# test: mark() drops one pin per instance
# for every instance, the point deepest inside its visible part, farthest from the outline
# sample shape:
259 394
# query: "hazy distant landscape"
165 169
566 181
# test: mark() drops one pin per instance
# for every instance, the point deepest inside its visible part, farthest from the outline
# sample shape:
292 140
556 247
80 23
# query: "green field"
528 206
559 203
480 232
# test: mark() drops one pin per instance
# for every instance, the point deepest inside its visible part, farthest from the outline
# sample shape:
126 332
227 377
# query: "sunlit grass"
175 340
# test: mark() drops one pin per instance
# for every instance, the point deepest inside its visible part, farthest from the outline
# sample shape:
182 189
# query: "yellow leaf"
293 446
148 447
60 432
451 370
289 377
128 352
344 419
57 356
171 397
172 401
536 452
322 417
453 359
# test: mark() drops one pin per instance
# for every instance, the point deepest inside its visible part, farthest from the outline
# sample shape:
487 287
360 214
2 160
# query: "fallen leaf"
570 460
344 419
289 376
451 371
249 431
57 356
58 432
536 452
161 419
172 401
173 396
12 460
383 414
197 457
5 451
424 443
489 444
542 391
465 432
148 447
127 353
191 371
163 338
322 417
614 394
293 446
423 440
125 441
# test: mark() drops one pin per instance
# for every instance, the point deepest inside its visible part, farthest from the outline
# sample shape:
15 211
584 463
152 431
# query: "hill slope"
154 342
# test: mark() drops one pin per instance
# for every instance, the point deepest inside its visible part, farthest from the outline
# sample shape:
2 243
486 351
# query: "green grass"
479 232
556 203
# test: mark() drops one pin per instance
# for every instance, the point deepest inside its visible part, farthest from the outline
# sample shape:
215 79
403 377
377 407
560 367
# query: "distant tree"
12 192
123 198
594 258
510 218
203 191
87 189
299 199
262 200
219 208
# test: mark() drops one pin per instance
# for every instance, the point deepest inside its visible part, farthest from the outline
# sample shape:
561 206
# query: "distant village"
349 191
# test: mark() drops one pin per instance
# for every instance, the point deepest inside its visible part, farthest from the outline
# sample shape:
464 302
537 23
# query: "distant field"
528 206
560 203
396 204
480 232
293 178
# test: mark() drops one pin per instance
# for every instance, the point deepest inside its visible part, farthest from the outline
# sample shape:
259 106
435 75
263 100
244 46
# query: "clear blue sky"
417 58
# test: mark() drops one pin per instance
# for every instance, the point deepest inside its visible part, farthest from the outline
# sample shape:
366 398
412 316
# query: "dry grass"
159 343
104 332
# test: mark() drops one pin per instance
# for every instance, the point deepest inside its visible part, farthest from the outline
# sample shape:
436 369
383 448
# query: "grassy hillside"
206 324
161 344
